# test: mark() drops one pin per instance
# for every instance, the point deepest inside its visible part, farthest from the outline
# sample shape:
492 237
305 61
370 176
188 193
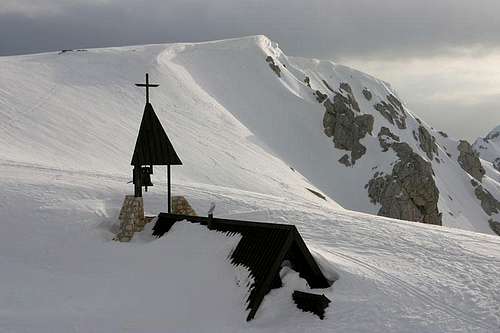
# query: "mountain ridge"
283 106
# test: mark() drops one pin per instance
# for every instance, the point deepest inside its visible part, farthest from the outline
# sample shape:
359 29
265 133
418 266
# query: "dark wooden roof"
153 146
262 249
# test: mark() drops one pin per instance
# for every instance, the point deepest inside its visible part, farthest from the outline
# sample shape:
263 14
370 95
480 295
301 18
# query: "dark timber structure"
263 249
151 148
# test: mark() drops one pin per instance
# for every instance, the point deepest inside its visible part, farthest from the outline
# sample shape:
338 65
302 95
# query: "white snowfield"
253 144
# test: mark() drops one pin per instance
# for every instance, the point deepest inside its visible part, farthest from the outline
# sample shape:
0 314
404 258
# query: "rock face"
367 93
469 160
495 226
409 192
489 204
345 127
496 163
327 86
427 142
276 69
392 111
386 138
307 81
443 134
320 97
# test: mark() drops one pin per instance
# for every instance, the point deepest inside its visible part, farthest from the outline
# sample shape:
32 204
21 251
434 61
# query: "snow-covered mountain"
276 124
489 147
489 151
266 137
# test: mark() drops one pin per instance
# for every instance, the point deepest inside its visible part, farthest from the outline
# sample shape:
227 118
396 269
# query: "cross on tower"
147 85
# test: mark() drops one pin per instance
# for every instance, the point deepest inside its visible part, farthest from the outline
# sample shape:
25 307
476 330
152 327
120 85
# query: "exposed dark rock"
496 163
427 142
391 113
394 101
409 192
352 100
386 139
307 81
327 86
341 123
316 193
320 97
276 69
489 204
492 136
71 50
346 87
495 226
367 93
418 121
345 160
469 160
443 134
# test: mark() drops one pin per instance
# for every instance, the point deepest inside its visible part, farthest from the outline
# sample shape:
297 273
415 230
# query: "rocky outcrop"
307 81
469 160
427 142
276 69
495 226
392 111
489 204
386 138
320 97
443 134
493 135
341 123
367 93
328 86
345 160
409 192
496 163
350 96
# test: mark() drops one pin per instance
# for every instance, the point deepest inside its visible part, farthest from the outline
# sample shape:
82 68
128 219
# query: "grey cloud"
317 28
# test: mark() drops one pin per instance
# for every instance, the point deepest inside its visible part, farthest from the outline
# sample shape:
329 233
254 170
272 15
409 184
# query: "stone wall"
181 206
131 218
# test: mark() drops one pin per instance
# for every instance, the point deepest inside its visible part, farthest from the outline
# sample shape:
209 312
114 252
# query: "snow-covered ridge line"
262 126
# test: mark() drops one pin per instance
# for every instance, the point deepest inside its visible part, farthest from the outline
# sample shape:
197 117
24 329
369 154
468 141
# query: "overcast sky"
441 56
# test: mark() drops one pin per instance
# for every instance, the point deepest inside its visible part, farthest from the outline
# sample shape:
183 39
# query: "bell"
146 173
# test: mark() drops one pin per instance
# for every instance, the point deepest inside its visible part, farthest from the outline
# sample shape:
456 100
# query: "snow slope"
250 142
489 150
245 126
61 271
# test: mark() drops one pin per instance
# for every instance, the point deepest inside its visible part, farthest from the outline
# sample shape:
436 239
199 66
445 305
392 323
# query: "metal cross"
147 85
